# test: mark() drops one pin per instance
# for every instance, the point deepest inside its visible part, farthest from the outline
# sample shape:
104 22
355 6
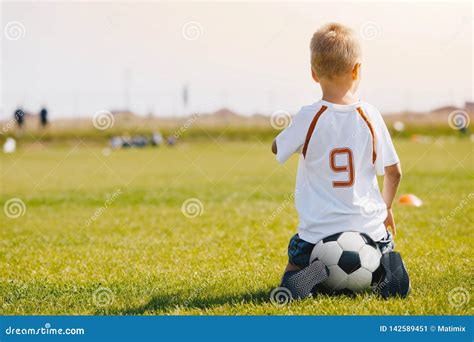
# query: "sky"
77 58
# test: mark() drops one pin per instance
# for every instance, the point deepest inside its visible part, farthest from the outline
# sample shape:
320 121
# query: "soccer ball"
353 260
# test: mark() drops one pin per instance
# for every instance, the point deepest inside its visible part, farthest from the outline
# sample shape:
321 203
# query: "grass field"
105 233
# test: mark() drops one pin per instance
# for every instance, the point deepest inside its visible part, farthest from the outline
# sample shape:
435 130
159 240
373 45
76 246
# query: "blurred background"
164 60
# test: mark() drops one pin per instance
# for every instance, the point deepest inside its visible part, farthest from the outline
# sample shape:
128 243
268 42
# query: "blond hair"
334 50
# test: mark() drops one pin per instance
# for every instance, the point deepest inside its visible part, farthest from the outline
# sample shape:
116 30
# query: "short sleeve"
386 153
291 140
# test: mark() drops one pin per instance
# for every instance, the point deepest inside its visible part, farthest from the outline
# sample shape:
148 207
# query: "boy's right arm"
292 138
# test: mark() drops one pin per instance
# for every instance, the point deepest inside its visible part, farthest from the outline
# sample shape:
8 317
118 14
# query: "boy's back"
342 147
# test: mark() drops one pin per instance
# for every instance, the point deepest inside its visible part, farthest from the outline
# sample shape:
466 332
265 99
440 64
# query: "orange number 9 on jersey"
348 167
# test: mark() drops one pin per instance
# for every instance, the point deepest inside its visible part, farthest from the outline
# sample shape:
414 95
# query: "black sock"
286 276
300 283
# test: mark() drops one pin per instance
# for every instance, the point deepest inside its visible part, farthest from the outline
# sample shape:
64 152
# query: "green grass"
154 260
75 132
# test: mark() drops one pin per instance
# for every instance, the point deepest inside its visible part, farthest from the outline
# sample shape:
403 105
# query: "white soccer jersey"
342 149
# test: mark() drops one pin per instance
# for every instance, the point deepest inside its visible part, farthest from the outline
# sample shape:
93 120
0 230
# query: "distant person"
463 130
156 139
126 141
19 117
185 95
171 140
9 146
139 141
116 142
44 117
343 144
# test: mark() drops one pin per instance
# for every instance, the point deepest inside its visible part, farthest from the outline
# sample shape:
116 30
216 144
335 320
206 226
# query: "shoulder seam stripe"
311 129
371 129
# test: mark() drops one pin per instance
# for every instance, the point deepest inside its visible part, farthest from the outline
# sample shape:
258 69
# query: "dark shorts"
299 251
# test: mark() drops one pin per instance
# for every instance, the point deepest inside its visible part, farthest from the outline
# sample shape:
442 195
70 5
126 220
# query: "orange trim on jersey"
371 129
311 129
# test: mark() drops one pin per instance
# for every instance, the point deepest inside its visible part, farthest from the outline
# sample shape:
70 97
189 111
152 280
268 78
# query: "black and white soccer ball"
353 260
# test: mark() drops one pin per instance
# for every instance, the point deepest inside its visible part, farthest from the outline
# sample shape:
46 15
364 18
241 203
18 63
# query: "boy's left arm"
392 178
387 164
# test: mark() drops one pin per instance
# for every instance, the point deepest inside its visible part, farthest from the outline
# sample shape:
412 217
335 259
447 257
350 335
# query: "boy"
343 145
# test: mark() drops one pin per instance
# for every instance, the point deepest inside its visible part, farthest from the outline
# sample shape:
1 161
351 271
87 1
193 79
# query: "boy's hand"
274 147
390 222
